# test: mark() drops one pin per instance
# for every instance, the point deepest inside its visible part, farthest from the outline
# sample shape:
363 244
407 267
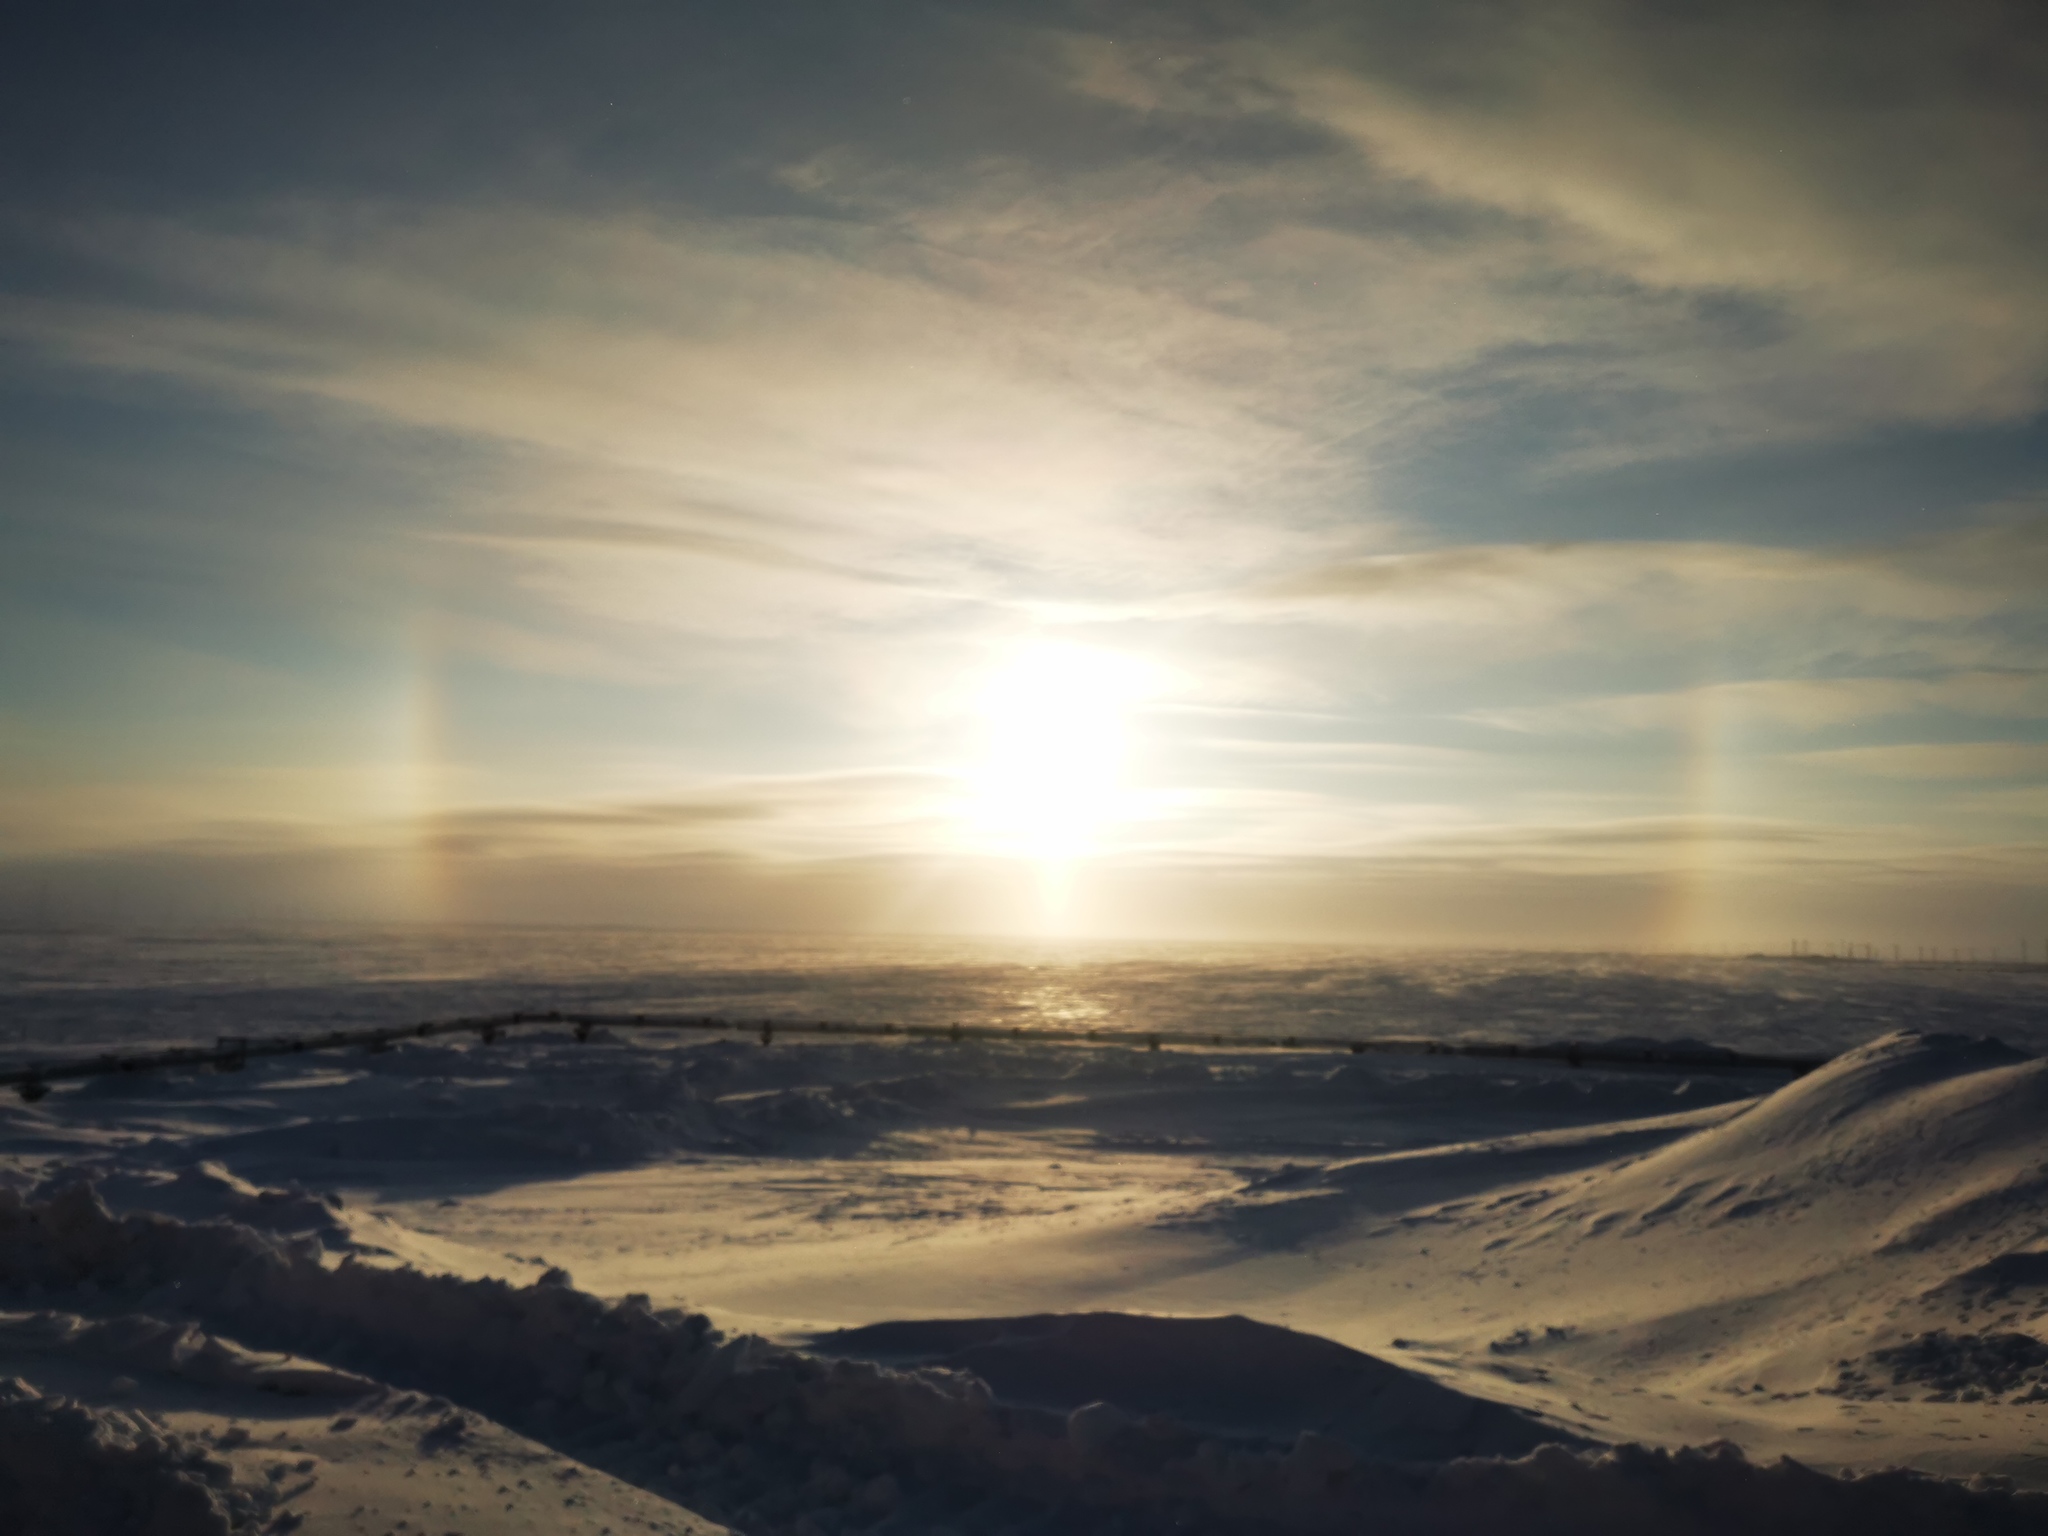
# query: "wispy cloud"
888 406
814 816
1936 760
1362 756
1960 577
1888 249
1791 703
1391 383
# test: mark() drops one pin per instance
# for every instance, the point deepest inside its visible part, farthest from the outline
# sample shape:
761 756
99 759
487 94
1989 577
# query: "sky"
1528 472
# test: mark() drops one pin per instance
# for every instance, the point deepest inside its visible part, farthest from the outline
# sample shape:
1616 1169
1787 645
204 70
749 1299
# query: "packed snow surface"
669 1284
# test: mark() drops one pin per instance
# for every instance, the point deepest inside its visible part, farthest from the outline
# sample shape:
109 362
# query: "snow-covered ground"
655 1284
94 988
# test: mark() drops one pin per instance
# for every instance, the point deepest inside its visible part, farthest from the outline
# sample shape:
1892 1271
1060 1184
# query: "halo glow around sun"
1050 780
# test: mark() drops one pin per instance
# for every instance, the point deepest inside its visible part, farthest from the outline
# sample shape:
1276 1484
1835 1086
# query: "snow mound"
1869 1095
70 1470
207 1191
139 1342
1226 1374
1290 1204
1912 1141
773 1438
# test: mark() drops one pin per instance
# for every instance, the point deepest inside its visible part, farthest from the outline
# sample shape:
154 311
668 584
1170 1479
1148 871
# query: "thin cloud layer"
1530 441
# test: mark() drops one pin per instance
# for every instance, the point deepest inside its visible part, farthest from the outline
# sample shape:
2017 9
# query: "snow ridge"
70 1470
780 1441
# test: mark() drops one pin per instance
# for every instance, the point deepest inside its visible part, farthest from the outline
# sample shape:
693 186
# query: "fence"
231 1053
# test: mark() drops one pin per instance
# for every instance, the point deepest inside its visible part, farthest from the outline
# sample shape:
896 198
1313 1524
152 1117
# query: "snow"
89 989
1225 1375
71 1470
1007 1286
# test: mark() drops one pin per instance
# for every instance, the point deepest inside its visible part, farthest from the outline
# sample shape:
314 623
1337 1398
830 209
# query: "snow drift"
70 1470
772 1438
1903 1146
1224 1374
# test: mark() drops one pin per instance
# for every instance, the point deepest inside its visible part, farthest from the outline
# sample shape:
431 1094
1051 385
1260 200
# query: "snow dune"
1272 1294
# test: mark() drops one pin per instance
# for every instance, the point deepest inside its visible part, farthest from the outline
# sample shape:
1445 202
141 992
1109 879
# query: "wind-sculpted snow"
777 1440
1458 1283
1928 1137
1225 1374
180 1348
1861 1102
205 1190
70 1470
546 1099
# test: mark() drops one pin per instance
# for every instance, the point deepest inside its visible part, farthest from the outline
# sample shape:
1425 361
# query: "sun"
1055 737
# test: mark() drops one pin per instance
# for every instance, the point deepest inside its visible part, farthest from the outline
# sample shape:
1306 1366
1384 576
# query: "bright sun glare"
1050 779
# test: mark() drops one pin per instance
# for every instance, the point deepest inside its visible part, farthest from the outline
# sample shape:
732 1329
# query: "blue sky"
1562 473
